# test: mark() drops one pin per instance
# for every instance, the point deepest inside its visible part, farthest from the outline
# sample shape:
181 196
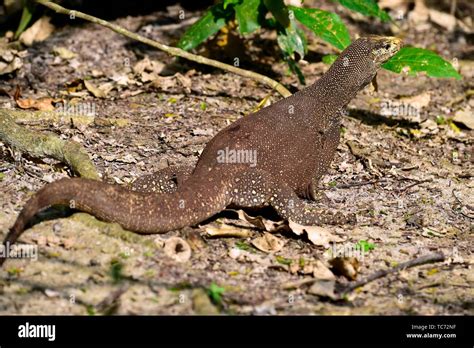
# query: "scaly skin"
291 145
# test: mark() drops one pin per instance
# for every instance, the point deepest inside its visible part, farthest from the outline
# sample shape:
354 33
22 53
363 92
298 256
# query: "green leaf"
283 260
26 15
279 11
366 7
419 59
327 25
364 245
116 268
209 24
292 40
227 3
250 14
329 58
215 293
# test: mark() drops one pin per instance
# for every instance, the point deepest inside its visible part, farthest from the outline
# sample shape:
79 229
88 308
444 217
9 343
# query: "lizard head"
382 48
358 64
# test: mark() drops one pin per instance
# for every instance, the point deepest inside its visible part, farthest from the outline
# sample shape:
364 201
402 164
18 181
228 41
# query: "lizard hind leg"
257 188
166 180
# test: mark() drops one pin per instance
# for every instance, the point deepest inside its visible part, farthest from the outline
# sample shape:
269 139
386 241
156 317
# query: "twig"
430 258
110 303
174 51
42 145
418 182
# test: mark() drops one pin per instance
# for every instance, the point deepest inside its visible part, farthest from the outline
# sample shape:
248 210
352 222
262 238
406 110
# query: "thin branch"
418 182
430 258
174 51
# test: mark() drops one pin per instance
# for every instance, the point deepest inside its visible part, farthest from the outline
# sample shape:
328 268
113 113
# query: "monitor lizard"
273 157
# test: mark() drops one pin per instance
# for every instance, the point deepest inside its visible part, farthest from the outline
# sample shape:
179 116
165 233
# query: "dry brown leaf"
177 249
10 59
260 222
268 243
43 104
185 81
99 92
346 266
223 230
38 32
164 82
316 234
420 16
324 288
443 19
320 271
466 117
148 70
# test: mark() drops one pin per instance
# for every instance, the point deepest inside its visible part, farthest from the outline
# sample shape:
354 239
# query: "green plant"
26 16
215 292
364 245
251 15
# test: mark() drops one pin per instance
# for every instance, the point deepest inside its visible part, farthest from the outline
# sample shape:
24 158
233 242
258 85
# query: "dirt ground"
408 178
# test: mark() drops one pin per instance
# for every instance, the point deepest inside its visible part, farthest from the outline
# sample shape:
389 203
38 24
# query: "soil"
409 179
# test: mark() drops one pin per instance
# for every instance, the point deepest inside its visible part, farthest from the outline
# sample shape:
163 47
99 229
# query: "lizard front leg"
166 180
329 144
257 188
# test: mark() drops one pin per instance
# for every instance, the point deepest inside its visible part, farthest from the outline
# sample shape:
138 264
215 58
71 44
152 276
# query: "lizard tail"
135 211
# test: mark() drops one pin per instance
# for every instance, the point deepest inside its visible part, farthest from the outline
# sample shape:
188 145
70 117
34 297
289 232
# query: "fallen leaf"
345 266
297 283
43 104
98 92
64 53
148 70
38 32
260 222
245 256
222 230
320 271
177 249
164 82
324 288
443 19
316 234
268 243
51 293
10 59
6 68
185 81
419 16
466 117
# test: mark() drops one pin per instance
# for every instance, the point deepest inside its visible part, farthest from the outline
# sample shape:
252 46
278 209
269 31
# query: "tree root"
41 145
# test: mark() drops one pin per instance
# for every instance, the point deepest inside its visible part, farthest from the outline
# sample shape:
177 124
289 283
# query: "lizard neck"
330 95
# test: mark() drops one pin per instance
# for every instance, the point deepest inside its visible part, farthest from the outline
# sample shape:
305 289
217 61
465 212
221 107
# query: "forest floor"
408 177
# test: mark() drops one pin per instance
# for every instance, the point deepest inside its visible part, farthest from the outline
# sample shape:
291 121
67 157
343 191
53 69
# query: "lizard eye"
386 46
